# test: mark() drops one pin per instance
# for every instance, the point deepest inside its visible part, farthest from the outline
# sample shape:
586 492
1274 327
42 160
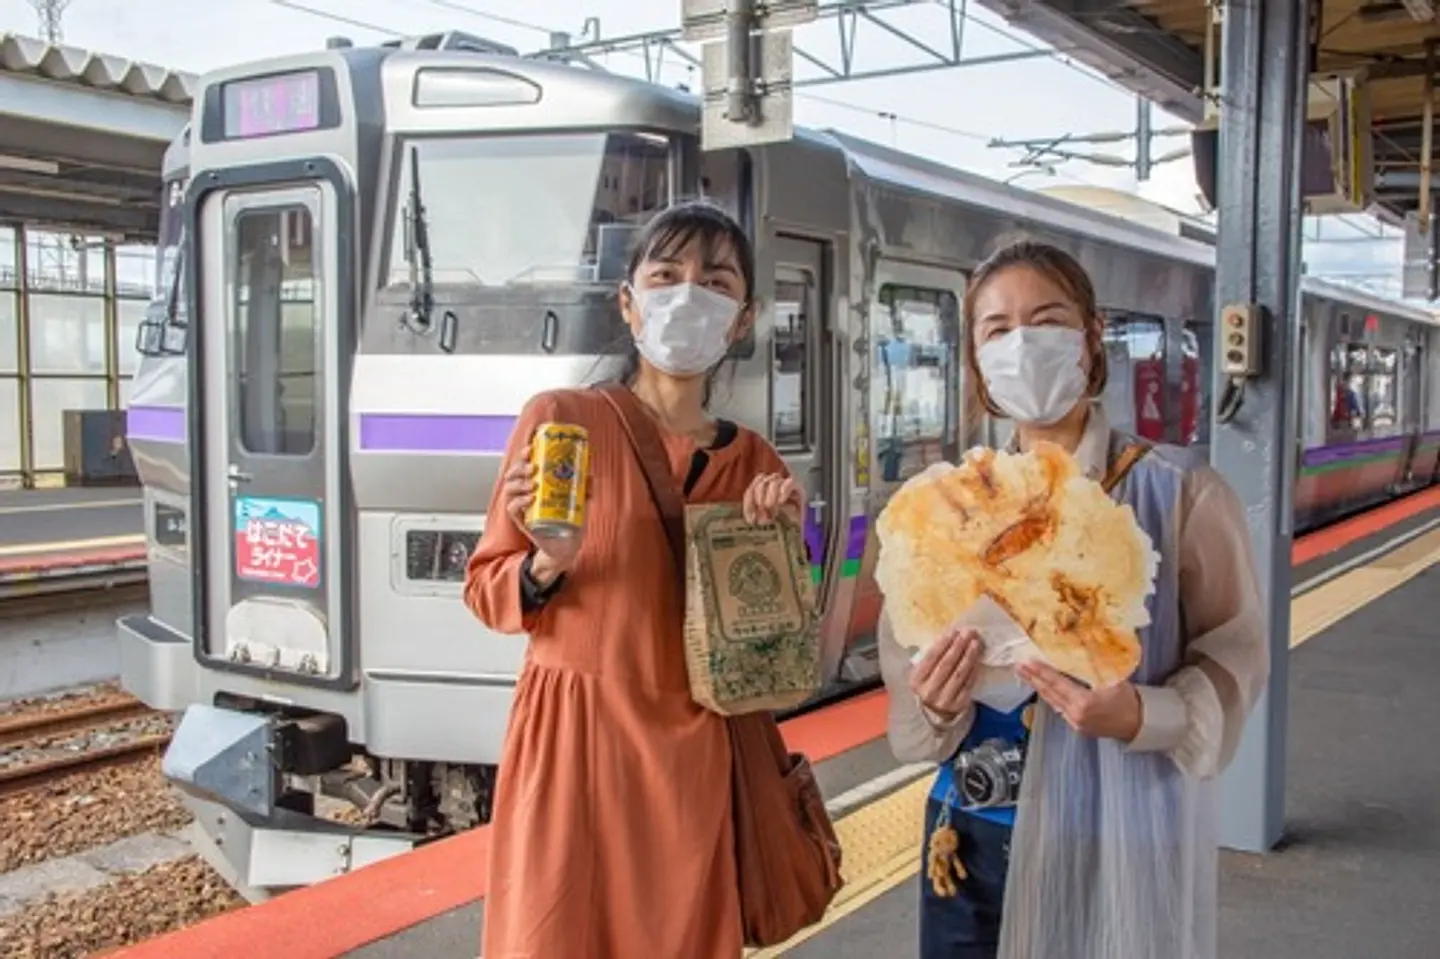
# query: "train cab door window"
1136 397
276 333
915 387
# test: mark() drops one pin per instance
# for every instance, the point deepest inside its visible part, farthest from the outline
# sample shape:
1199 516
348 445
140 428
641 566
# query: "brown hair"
1059 268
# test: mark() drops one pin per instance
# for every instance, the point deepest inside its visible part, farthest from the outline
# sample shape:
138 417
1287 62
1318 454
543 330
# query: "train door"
1411 377
273 576
917 416
803 410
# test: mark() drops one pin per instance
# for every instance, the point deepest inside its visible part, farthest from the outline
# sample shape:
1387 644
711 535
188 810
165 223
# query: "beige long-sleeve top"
1197 715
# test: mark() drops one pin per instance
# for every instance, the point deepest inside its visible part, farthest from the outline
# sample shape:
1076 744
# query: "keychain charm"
944 865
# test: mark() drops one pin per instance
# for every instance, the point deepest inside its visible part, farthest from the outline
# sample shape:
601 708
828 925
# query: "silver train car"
385 252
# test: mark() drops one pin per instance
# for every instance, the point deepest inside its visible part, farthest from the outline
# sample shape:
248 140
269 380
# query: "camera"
988 776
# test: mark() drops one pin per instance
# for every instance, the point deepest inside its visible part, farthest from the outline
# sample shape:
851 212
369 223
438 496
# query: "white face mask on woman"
684 329
1033 372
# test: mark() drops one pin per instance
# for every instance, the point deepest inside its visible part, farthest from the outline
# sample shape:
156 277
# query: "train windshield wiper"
172 295
422 276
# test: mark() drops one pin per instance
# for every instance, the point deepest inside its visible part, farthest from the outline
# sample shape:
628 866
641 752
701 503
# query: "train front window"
531 209
275 331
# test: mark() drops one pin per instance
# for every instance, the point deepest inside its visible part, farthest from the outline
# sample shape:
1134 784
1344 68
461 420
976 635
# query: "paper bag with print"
751 631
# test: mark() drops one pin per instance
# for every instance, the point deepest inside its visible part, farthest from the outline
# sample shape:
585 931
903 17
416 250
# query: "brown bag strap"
1124 463
649 449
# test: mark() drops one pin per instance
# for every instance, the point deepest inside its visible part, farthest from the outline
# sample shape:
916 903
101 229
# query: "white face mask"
1033 372
684 329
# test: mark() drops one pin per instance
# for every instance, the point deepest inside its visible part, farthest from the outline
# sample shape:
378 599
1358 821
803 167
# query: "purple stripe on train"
1321 455
854 542
160 424
412 433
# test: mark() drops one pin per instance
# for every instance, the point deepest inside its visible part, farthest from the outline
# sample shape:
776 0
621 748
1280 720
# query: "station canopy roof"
1156 48
82 136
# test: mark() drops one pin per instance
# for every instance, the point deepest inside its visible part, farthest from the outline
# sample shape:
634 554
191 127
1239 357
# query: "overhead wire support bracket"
852 17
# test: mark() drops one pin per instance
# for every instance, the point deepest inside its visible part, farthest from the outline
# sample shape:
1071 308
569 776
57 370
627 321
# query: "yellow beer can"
561 454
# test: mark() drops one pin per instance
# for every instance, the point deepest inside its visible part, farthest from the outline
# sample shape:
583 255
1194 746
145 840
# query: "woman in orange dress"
612 831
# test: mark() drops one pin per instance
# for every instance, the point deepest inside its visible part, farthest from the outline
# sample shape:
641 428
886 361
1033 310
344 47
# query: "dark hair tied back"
668 233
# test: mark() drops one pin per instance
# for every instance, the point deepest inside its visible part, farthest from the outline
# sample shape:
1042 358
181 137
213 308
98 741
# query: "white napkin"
1006 645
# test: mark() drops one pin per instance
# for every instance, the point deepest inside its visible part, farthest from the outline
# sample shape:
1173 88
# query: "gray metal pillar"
1264 80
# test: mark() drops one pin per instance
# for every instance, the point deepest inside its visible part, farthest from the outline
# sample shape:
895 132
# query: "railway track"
42 727
24 727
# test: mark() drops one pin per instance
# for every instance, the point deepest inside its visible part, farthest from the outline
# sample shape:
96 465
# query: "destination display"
266 106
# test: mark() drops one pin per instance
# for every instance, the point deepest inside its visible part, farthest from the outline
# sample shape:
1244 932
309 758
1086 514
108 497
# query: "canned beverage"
561 454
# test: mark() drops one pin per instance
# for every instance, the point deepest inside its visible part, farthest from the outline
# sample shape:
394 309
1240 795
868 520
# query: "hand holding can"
545 493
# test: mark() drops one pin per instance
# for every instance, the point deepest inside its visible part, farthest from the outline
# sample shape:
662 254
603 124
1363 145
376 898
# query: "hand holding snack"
944 677
1113 712
1032 535
767 494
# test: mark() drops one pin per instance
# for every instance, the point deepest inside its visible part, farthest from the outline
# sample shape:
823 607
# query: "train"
371 257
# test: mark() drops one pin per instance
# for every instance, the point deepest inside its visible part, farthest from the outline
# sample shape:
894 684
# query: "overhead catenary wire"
894 117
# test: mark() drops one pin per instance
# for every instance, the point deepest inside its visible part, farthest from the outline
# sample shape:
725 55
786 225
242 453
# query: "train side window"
1382 389
275 326
1135 397
789 390
1194 383
1357 359
915 390
1344 408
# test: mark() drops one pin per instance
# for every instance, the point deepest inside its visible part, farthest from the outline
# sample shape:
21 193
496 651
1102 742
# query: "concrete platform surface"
1356 873
69 519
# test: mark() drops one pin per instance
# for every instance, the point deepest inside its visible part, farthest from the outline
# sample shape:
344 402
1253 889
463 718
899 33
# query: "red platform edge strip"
331 918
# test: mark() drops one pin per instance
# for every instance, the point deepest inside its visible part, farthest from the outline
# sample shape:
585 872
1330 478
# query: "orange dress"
612 835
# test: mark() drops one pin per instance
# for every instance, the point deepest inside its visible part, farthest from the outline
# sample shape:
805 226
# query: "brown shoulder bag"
786 851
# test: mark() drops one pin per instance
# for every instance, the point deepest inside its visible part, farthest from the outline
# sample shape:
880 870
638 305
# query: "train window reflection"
1382 389
1346 408
788 373
503 210
916 386
1194 380
275 331
1135 397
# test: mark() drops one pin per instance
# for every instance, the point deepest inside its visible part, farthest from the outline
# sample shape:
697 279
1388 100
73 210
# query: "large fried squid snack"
1048 545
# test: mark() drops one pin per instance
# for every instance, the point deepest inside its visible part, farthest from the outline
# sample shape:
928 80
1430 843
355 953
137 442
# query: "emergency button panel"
1240 340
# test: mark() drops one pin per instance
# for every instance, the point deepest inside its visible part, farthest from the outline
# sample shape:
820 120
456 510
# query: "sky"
946 115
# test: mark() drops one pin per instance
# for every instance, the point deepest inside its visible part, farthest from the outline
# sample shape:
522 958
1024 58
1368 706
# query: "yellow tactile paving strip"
1316 611
882 846
882 840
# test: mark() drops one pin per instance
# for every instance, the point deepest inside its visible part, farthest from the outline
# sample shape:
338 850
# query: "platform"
1350 880
1362 850
41 526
